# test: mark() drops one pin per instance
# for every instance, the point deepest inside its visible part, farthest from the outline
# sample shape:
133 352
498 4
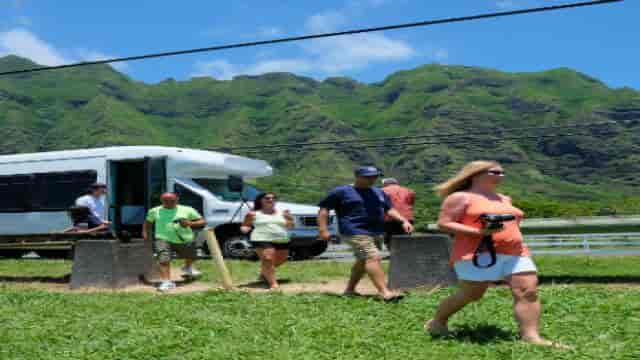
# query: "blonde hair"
462 180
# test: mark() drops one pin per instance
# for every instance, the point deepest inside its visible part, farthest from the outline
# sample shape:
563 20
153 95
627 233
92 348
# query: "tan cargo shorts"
365 247
164 250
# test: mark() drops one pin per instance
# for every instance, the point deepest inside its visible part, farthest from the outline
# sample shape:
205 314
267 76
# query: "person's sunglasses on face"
496 172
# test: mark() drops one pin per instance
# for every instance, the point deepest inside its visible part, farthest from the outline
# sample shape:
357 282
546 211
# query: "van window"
189 198
15 193
218 187
44 191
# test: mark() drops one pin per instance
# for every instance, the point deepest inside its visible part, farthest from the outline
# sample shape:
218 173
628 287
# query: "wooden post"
216 255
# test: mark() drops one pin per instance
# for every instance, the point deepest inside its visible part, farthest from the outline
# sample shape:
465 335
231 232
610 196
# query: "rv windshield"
218 187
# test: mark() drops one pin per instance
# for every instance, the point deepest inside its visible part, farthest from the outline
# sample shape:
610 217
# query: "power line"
453 137
318 36
410 137
470 141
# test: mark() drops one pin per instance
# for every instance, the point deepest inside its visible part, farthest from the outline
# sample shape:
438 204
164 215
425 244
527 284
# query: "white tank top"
270 228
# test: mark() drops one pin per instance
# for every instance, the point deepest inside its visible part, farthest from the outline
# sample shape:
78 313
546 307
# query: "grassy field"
591 303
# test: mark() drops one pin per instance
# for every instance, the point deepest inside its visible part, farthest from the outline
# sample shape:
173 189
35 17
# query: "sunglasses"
495 172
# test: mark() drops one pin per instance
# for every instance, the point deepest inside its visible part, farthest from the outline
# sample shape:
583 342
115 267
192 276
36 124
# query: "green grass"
602 321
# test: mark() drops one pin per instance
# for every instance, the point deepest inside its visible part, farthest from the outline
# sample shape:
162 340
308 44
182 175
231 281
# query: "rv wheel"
238 247
300 253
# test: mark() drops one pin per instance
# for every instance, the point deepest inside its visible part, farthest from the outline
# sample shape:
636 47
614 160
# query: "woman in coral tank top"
469 195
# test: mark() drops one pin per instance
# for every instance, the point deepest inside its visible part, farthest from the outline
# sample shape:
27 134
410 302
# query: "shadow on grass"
479 334
586 279
359 296
258 284
185 281
65 279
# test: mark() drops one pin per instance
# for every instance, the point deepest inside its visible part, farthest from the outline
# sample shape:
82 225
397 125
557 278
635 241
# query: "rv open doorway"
135 186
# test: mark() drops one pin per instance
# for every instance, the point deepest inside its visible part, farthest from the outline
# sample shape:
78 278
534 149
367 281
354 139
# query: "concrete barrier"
110 263
420 260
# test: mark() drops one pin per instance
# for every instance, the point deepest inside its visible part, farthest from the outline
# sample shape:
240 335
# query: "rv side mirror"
235 184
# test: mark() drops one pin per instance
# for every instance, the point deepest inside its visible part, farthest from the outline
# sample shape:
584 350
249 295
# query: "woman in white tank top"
269 235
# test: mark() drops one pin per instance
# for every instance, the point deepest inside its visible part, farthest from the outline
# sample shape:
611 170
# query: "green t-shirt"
165 227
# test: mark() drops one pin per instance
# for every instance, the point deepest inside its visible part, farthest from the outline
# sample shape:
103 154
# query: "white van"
37 189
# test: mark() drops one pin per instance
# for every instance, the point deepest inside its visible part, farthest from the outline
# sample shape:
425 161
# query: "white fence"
585 244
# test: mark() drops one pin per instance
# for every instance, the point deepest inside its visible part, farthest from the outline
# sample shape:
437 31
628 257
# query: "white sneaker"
191 272
166 286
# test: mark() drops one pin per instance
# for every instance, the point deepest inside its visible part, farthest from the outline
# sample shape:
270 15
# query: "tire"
300 253
238 247
318 248
308 252
12 254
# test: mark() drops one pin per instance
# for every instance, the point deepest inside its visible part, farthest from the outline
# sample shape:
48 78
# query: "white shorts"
506 265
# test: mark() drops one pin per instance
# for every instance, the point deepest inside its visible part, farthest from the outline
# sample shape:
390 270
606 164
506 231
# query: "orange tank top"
507 242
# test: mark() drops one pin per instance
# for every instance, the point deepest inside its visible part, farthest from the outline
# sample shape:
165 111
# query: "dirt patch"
330 287
185 286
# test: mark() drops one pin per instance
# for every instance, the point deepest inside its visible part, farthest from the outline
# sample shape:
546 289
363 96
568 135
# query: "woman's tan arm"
290 221
247 224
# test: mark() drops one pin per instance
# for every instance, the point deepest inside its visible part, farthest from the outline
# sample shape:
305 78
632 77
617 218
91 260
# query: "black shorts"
266 245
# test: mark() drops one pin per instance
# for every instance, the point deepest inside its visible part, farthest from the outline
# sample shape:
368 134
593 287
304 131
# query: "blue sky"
601 41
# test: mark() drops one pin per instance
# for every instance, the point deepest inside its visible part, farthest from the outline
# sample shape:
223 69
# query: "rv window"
189 198
43 192
15 193
219 188
58 191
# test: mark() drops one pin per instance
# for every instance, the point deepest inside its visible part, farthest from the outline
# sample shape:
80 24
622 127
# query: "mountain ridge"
558 176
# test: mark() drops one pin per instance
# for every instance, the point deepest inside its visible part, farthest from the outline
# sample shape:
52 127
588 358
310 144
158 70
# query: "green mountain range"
467 113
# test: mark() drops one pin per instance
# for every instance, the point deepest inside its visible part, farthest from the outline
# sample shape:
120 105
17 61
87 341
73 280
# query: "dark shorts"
393 228
165 249
266 245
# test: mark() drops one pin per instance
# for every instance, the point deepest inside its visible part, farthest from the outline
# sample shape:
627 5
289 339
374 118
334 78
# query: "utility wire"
396 138
470 142
317 36
449 138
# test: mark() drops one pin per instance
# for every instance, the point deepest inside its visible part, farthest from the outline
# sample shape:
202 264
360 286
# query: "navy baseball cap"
367 171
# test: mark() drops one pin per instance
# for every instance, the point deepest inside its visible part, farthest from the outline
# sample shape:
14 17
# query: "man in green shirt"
173 225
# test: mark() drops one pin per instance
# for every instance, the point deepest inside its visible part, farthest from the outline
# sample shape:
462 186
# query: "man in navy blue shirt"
361 210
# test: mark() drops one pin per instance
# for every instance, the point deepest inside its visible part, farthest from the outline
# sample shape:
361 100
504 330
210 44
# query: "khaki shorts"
365 247
165 248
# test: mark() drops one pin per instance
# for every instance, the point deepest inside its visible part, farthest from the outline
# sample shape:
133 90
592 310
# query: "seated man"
94 201
173 225
81 218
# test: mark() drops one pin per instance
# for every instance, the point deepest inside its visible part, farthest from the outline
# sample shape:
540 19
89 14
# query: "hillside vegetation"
586 171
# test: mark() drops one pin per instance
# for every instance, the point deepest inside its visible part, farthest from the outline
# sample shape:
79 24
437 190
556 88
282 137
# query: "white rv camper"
37 189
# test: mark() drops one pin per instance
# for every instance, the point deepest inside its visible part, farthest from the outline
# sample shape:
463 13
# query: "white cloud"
224 70
280 65
441 54
93 55
350 52
325 22
219 69
269 32
26 44
329 56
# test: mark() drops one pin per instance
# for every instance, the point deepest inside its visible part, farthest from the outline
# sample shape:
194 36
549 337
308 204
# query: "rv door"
135 186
